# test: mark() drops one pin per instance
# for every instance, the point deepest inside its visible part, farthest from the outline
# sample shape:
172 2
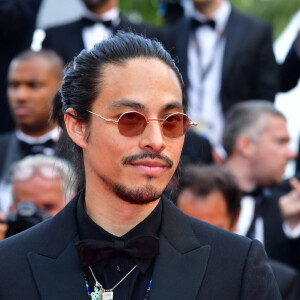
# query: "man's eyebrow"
127 103
173 105
137 105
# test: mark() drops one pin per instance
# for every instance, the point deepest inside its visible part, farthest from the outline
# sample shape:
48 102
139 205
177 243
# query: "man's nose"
152 138
20 93
291 154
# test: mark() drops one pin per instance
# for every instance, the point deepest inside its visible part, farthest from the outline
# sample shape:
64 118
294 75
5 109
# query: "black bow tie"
91 22
196 23
254 193
92 251
32 149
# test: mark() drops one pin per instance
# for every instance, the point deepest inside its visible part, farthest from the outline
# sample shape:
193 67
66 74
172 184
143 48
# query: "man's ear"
77 130
245 146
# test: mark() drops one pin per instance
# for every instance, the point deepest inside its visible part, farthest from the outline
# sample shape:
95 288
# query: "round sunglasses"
133 123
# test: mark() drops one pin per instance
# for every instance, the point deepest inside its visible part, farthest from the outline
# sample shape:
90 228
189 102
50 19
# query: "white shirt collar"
220 16
51 135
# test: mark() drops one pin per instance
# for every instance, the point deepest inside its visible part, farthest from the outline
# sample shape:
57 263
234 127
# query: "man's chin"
143 195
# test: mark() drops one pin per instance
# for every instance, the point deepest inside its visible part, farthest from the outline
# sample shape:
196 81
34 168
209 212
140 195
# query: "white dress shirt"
99 32
246 217
206 47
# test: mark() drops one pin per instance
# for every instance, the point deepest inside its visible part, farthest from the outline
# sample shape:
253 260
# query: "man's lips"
149 167
21 111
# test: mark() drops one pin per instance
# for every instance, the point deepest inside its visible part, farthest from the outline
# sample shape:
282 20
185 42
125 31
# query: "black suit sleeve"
258 280
266 81
290 70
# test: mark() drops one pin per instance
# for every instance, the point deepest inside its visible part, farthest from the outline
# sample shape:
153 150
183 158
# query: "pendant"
97 293
108 296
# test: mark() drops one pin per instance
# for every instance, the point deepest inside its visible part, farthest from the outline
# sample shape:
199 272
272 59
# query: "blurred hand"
3 227
290 204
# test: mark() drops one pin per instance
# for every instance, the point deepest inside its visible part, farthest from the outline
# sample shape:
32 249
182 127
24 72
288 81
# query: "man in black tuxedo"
118 238
33 79
225 57
17 23
257 143
101 19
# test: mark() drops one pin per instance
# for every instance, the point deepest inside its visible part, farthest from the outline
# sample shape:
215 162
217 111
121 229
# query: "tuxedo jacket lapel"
180 267
77 40
178 276
234 35
66 275
181 47
55 266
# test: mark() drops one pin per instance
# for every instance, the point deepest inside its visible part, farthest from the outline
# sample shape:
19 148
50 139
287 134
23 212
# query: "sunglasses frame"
191 123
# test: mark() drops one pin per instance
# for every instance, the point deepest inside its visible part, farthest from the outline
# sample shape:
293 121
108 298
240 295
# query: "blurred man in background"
48 183
101 19
210 194
225 57
33 79
257 143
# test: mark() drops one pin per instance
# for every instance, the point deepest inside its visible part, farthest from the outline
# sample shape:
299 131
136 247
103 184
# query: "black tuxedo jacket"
278 246
67 40
249 68
196 261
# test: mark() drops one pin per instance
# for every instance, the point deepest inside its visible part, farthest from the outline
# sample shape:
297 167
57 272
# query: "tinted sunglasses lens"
131 124
176 125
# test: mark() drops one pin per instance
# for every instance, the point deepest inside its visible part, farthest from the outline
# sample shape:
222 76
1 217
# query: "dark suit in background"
249 68
289 77
67 40
196 261
196 149
278 246
290 69
17 23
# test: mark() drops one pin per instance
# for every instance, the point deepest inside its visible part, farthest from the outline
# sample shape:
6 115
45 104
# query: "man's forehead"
30 67
274 124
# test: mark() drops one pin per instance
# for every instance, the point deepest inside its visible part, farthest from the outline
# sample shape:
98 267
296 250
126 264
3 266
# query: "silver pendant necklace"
100 293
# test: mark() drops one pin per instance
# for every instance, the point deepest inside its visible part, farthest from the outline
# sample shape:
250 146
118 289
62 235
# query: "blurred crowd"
232 164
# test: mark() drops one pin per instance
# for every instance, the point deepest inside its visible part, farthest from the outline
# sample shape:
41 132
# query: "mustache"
146 154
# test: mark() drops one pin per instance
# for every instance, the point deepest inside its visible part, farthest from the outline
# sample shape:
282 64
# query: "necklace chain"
110 290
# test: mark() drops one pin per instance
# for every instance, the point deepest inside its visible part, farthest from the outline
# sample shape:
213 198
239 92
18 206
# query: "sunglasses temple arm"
192 123
107 120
